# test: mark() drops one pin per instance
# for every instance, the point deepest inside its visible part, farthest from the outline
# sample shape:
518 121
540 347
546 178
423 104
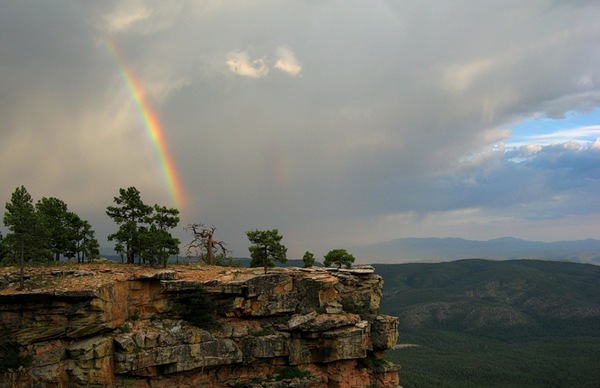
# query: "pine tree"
26 240
308 259
131 213
338 257
54 217
266 248
144 230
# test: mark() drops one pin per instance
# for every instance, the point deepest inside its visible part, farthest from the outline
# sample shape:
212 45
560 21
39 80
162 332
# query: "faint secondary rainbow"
152 125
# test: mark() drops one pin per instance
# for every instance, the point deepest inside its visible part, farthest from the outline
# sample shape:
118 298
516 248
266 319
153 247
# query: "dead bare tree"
204 245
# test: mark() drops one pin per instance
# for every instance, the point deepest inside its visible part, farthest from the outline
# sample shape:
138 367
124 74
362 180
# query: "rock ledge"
127 331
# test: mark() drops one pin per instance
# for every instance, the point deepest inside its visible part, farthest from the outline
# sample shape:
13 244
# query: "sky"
340 123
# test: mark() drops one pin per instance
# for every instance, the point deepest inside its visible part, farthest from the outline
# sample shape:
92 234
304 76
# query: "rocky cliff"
109 325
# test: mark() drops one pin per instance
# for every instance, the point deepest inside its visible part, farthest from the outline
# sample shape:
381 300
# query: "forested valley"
479 323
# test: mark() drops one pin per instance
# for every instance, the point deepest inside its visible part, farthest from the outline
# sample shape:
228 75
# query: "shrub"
370 362
292 372
124 328
358 307
134 317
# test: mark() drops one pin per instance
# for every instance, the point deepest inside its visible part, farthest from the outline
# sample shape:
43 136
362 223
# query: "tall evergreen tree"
66 231
163 219
26 238
88 244
74 225
158 245
144 230
131 214
54 217
308 259
82 240
266 248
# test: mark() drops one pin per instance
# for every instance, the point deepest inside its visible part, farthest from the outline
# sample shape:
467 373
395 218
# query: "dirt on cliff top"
81 276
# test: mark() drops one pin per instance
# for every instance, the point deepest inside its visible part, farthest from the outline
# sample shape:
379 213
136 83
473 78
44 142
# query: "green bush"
370 362
292 372
358 307
124 328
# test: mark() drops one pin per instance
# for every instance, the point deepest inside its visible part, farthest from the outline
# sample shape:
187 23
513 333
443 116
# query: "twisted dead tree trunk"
204 242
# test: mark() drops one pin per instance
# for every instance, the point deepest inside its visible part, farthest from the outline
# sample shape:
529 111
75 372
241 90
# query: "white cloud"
287 62
139 16
125 15
575 134
530 150
239 63
582 135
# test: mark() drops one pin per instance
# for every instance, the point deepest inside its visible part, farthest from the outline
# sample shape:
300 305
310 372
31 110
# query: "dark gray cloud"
340 124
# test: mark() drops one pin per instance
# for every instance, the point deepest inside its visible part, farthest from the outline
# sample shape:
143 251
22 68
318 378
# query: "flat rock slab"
160 275
298 320
363 270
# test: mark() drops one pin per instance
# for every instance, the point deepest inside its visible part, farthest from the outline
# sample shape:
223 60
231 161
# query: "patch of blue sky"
580 127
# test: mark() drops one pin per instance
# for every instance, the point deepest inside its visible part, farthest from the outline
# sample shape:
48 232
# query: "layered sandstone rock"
319 324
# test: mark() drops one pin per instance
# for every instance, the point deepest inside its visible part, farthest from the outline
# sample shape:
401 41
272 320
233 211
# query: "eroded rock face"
128 333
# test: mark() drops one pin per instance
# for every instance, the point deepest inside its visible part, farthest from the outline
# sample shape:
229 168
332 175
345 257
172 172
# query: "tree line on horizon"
47 231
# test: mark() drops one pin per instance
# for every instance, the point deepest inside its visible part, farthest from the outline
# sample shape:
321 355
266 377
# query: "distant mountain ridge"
478 292
406 250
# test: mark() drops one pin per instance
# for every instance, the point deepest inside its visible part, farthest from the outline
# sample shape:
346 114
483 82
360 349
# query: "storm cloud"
340 123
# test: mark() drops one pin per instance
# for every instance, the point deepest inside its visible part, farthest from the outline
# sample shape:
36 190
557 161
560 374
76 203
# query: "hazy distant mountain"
406 250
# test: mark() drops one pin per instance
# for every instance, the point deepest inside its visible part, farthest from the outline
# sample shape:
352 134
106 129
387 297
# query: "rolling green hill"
495 323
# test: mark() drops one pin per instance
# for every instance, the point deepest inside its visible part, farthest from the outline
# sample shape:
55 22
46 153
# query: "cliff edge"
117 325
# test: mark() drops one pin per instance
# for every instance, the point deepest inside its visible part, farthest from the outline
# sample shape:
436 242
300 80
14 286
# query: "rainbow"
152 125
